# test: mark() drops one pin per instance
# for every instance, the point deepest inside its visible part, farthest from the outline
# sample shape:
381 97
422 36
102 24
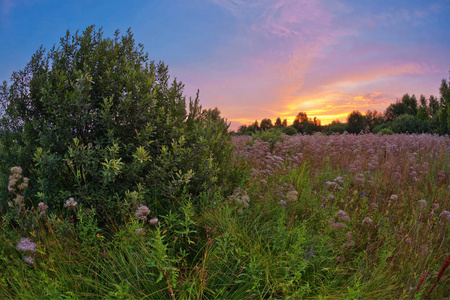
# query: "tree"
266 124
94 112
300 121
373 119
433 106
284 124
355 122
394 110
278 122
407 124
410 103
444 110
422 111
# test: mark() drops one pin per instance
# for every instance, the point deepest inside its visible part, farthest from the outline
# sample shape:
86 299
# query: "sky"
260 59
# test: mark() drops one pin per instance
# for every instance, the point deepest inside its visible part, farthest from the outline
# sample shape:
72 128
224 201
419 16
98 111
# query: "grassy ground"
320 217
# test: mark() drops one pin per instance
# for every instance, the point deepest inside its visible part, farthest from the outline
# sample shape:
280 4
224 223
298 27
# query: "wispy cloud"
326 59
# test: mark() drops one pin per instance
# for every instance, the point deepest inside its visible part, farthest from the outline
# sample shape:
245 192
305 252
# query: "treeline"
406 115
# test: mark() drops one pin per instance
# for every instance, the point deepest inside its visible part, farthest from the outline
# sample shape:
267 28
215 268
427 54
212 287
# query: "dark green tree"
444 110
433 106
407 123
355 122
94 117
394 110
410 103
422 111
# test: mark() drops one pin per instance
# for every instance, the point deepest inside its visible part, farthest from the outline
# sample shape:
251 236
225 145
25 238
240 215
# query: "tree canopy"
94 111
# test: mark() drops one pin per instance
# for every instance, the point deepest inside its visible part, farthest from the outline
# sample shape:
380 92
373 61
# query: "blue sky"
261 58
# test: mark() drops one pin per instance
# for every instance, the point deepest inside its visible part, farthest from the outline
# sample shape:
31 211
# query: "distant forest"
406 115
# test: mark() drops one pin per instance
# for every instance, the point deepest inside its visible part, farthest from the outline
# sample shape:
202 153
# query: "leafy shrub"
94 118
289 130
386 131
407 123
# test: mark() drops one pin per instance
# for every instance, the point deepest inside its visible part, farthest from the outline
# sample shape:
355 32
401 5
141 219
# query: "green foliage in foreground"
300 233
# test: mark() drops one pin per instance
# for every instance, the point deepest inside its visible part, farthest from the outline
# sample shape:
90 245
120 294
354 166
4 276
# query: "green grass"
221 249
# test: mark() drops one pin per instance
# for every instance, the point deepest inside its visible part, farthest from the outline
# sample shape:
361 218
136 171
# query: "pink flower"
142 212
140 231
25 244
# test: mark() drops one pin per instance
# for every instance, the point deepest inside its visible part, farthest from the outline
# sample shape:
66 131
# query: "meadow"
308 217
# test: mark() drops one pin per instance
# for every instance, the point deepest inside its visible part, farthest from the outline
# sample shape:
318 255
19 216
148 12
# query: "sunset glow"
261 58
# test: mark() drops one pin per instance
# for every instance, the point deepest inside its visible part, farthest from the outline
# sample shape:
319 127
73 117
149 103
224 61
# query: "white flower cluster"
16 180
336 184
241 198
422 204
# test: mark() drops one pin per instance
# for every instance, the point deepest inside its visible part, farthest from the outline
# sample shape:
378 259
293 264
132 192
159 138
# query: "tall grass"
320 217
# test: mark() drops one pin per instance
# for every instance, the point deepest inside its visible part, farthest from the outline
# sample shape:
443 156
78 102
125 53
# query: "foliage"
335 126
343 216
386 131
94 112
289 130
407 124
355 122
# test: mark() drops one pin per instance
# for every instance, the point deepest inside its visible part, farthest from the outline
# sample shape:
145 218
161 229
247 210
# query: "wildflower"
349 244
292 195
42 208
140 231
337 226
18 199
343 216
241 198
309 256
22 186
282 203
12 182
70 203
367 220
142 212
25 244
374 206
393 198
16 170
408 240
154 221
435 206
422 204
339 180
445 215
28 260
349 235
424 249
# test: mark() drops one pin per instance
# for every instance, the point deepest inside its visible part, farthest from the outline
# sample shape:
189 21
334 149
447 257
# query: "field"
312 217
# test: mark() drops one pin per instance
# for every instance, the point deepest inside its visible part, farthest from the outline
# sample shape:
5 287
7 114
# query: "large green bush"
407 124
94 118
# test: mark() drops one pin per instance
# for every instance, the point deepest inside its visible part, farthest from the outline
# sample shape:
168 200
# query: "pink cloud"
301 57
